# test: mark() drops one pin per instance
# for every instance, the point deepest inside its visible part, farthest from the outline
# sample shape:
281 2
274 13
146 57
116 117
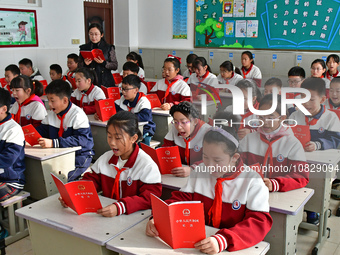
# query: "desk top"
89 226
290 202
134 241
225 95
159 111
40 153
325 156
172 182
209 102
100 123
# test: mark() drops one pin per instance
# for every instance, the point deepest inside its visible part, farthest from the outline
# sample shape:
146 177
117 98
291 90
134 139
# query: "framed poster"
18 28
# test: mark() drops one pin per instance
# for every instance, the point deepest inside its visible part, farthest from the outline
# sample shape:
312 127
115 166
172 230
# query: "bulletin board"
18 28
274 24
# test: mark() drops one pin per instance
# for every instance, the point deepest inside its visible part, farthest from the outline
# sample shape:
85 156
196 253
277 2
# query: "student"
28 108
228 74
136 102
12 153
274 145
137 59
318 70
125 173
270 84
11 71
190 60
66 125
235 201
248 115
86 92
132 68
249 69
187 133
72 65
296 76
172 89
324 125
333 102
202 74
26 68
332 63
56 72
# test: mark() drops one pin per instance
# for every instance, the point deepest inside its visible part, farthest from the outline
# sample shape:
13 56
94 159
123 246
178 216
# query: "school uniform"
330 105
280 148
70 128
327 83
140 74
324 127
187 73
190 149
235 78
207 78
141 107
291 107
85 99
36 75
136 178
244 218
12 155
252 73
330 77
31 111
142 88
172 92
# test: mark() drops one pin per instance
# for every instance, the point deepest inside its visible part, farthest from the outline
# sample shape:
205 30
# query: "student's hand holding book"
183 171
310 146
151 229
45 143
208 245
166 106
268 183
108 211
62 202
96 117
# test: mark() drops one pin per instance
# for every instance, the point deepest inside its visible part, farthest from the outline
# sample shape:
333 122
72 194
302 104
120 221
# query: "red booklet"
180 224
150 85
3 82
337 111
31 134
105 108
81 196
111 92
302 133
95 53
166 158
154 100
44 83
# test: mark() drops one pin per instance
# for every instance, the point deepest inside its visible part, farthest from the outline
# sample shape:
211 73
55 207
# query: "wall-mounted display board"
274 24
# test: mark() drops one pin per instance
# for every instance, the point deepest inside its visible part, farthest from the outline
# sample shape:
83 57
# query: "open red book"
111 92
302 133
3 82
31 134
180 224
95 53
81 196
154 100
105 108
166 158
337 111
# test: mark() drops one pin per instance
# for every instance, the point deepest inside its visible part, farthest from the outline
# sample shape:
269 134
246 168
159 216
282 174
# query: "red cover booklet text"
111 92
81 196
31 134
105 109
302 133
180 224
95 53
166 158
154 100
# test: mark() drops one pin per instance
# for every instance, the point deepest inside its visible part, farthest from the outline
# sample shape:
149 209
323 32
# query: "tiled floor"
305 244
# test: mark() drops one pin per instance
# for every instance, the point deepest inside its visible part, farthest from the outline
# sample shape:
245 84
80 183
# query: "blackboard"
274 24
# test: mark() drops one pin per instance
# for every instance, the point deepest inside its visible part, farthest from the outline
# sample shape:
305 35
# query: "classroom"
189 129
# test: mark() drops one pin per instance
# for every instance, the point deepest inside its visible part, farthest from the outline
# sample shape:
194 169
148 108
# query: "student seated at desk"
11 71
172 89
126 173
86 92
229 74
135 58
249 69
234 197
26 68
28 108
333 102
66 125
136 102
272 83
189 60
296 76
318 70
187 133
132 68
274 145
12 153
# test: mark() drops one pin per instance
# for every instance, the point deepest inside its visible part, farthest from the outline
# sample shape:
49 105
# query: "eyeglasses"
224 71
94 34
126 89
266 118
295 82
316 69
180 123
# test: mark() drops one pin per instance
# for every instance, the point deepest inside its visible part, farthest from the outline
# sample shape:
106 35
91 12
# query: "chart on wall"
274 24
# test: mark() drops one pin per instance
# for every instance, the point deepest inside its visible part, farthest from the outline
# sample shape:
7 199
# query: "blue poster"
179 19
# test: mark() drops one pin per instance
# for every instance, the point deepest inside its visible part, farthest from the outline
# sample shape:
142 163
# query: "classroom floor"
306 239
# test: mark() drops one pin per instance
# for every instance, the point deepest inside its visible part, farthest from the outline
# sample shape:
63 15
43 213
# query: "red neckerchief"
244 72
329 76
115 189
61 128
227 80
70 74
249 113
141 94
87 92
331 106
26 102
168 88
201 79
269 151
215 212
313 121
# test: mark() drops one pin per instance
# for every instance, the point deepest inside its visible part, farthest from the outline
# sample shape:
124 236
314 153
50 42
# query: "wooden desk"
162 120
286 209
57 230
41 162
134 241
98 129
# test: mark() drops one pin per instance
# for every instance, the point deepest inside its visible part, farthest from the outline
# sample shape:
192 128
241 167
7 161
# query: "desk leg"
283 234
46 240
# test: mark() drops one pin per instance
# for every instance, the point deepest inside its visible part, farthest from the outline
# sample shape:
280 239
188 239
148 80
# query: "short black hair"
73 56
14 69
191 58
27 62
131 66
186 108
88 74
56 68
335 58
268 100
335 80
135 57
60 88
24 82
274 81
132 80
315 84
5 98
297 71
